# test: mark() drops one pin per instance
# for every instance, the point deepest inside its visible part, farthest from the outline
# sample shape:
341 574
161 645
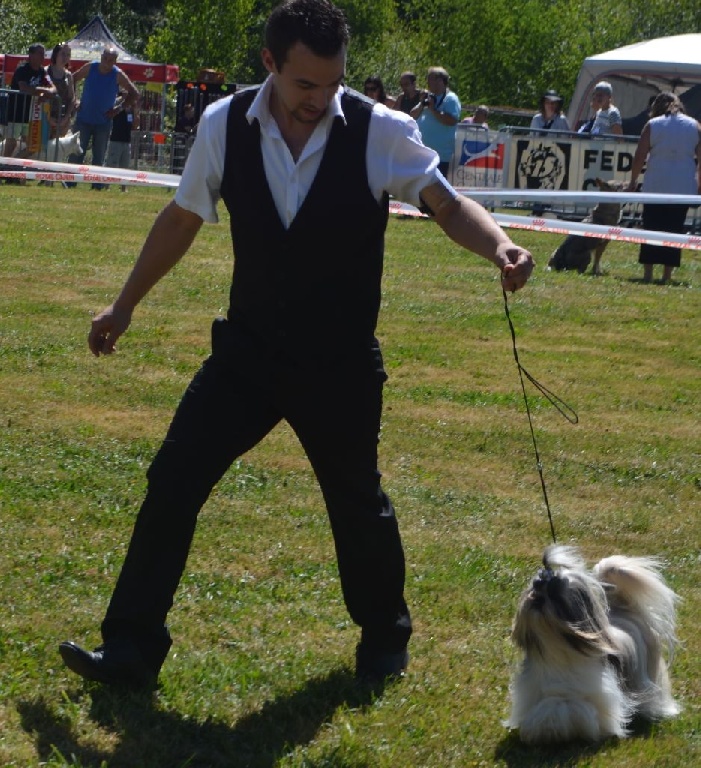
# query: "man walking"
298 342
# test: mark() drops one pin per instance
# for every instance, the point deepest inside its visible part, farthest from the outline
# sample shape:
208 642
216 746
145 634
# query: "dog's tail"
635 584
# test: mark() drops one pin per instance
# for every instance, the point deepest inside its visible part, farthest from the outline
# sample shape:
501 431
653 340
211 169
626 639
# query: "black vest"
311 291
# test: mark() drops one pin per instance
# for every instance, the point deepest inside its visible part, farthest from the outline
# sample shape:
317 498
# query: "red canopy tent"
88 45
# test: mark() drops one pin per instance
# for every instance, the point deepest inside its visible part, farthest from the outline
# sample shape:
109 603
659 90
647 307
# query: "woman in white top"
549 115
671 143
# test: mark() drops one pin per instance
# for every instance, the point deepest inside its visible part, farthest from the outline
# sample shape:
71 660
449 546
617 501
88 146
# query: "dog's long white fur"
593 644
67 145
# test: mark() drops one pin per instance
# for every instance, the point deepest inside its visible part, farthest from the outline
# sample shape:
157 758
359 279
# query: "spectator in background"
187 122
671 144
480 117
549 116
31 79
183 137
588 124
123 123
608 117
61 111
374 89
438 115
97 104
410 96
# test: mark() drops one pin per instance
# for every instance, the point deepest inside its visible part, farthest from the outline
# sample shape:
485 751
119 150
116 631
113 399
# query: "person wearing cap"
549 116
608 117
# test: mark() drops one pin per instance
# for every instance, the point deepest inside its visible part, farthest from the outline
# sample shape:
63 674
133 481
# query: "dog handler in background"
298 342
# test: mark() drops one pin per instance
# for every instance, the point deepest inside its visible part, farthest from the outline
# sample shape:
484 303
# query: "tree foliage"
497 51
506 52
23 22
209 34
16 30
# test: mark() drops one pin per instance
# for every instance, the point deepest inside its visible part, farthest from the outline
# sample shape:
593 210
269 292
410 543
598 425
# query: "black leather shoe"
378 666
116 663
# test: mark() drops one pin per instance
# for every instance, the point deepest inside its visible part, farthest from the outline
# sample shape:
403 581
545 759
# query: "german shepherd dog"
576 250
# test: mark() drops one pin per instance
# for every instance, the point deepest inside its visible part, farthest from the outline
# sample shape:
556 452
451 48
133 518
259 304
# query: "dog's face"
610 185
608 213
563 611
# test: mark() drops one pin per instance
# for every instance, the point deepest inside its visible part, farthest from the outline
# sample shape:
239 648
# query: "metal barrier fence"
518 158
26 131
25 125
160 152
512 157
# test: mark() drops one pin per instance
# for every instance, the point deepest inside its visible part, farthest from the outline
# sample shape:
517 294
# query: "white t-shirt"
606 119
397 162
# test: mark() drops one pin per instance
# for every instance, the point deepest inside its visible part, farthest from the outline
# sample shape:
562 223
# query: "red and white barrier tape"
622 234
571 197
46 171
562 227
41 170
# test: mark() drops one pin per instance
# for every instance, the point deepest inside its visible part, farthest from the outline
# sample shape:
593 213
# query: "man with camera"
438 114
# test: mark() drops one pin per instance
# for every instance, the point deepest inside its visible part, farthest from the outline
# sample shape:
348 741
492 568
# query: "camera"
427 99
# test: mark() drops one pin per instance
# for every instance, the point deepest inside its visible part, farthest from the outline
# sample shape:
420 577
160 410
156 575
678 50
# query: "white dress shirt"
397 162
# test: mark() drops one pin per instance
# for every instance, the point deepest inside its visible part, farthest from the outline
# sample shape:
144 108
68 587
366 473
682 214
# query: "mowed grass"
260 673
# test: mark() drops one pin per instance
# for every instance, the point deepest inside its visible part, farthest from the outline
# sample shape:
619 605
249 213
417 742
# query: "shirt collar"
260 108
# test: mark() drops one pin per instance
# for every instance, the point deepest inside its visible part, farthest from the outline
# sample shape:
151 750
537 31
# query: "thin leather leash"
558 403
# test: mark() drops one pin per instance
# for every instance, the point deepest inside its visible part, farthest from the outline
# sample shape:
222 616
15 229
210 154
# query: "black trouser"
235 399
663 218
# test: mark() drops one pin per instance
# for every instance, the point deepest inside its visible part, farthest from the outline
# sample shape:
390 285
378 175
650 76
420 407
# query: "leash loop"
557 402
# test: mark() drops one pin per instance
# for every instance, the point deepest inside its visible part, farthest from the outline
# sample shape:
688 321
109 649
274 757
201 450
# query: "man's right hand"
106 328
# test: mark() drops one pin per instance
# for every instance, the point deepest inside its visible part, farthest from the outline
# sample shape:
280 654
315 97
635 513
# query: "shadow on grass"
515 754
673 283
149 737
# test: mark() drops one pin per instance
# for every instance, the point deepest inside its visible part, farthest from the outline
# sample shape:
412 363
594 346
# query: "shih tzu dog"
593 644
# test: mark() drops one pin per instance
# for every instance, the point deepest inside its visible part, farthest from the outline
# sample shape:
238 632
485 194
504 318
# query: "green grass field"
260 673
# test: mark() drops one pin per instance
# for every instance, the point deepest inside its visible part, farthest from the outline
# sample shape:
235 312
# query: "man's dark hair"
318 24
